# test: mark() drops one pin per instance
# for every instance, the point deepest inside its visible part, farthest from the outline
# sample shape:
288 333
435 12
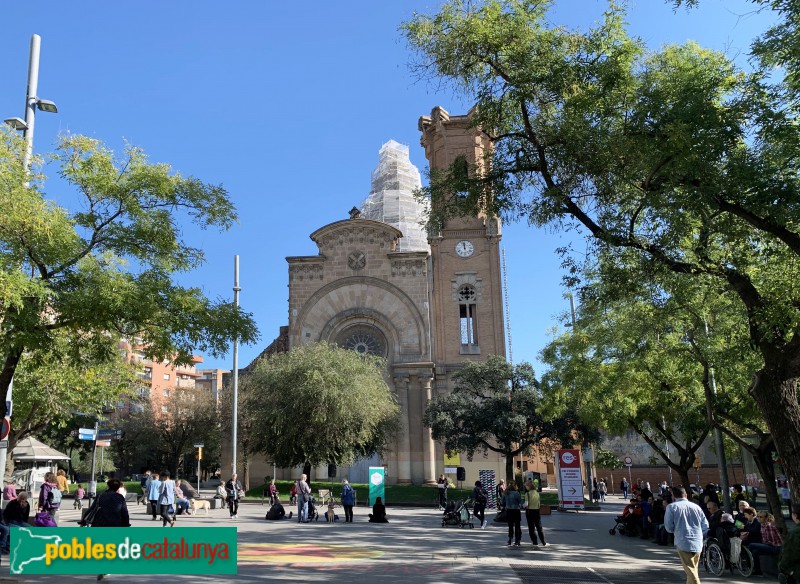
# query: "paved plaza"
414 547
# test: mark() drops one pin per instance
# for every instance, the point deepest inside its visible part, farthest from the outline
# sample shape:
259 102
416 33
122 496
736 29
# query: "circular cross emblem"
376 478
357 260
568 458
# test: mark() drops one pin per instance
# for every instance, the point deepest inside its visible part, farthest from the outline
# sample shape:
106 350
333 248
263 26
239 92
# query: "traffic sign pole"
199 446
92 480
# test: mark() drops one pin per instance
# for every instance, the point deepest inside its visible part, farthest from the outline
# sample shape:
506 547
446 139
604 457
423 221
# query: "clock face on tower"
465 248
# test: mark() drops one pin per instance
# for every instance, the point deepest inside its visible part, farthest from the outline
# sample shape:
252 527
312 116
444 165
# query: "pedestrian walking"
50 497
533 515
234 492
348 500
480 497
624 486
688 523
514 513
442 484
166 500
603 490
61 481
153 491
112 510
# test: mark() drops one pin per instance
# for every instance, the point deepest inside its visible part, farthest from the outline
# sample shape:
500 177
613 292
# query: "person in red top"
771 541
632 514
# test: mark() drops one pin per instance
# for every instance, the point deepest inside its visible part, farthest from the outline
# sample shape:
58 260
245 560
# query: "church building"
427 300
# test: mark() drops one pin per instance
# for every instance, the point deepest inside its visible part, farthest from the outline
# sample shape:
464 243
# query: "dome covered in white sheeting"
391 199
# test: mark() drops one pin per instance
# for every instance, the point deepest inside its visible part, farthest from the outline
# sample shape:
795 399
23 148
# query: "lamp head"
46 105
16 123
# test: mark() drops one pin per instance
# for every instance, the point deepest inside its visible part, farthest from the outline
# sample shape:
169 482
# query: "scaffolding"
391 199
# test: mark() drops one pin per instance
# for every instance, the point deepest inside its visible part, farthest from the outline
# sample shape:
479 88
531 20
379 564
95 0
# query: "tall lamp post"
32 102
235 408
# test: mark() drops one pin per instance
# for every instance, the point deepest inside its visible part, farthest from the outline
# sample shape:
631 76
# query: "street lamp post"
32 101
235 408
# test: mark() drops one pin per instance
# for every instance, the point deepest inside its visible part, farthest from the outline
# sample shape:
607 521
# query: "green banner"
376 476
123 550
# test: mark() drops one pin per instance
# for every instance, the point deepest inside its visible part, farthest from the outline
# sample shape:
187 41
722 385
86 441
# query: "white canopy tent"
31 450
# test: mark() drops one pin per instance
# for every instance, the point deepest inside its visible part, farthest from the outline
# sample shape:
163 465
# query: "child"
79 494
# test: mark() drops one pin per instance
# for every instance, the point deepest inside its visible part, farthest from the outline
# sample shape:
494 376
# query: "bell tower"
466 296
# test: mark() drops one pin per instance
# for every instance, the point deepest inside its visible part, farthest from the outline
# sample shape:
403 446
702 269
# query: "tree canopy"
674 159
498 406
319 404
105 269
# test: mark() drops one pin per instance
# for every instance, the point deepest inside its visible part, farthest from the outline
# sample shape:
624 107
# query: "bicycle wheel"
745 563
715 559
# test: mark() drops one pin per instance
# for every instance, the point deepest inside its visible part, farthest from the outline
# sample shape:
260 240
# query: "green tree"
138 448
245 435
103 464
628 366
673 158
49 389
498 406
320 404
108 267
779 45
604 458
179 420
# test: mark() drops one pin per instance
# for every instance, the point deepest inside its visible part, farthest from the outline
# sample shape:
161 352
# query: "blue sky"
286 105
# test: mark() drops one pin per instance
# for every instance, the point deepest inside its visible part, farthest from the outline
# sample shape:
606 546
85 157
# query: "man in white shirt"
688 523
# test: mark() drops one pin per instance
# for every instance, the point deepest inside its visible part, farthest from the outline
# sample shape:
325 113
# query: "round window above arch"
363 339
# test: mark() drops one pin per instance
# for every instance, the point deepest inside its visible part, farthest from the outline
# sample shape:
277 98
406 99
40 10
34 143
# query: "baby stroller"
619 526
457 513
312 510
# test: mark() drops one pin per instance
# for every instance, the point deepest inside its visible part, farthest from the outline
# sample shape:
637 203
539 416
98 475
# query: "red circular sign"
5 429
628 460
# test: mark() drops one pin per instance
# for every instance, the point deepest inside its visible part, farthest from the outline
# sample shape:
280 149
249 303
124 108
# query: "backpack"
52 497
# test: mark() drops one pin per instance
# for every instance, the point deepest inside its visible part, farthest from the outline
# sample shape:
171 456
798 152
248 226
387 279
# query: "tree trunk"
683 473
307 471
246 471
767 469
509 469
776 396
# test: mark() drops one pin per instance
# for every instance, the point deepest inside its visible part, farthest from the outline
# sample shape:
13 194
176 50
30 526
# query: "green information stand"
376 482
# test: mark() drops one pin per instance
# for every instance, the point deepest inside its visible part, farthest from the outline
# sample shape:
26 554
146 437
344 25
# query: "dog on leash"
196 504
330 514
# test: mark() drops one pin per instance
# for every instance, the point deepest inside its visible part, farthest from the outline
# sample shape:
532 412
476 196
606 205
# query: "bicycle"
715 561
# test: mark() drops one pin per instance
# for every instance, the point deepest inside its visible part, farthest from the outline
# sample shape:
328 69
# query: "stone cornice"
356 231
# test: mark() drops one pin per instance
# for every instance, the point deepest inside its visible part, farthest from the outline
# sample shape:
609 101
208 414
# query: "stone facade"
427 310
